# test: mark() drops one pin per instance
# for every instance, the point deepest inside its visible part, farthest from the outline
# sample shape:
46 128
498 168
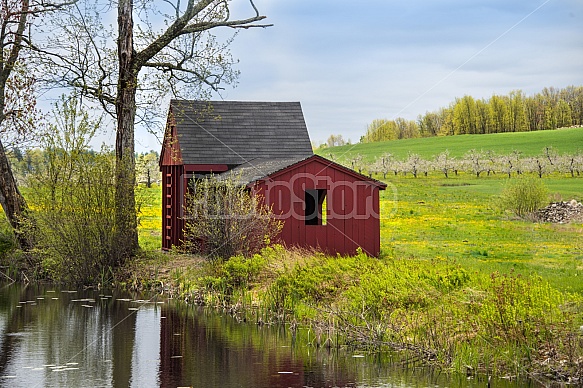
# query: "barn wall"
171 206
174 190
352 206
352 214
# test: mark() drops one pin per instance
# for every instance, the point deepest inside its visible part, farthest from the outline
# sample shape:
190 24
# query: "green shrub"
72 194
524 195
74 228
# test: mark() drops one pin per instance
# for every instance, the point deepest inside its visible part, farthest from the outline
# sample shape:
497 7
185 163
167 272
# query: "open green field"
568 140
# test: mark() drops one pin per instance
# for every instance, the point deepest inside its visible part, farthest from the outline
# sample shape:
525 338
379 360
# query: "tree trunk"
13 202
125 213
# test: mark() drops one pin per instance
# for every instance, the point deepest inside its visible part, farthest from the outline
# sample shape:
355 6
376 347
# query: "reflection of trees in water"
123 337
13 323
214 350
202 348
58 331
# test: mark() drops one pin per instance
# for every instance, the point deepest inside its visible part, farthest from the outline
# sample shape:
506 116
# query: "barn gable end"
324 205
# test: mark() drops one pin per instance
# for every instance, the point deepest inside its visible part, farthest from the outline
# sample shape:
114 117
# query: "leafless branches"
176 52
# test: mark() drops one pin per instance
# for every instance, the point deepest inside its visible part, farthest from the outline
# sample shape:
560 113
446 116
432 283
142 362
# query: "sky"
350 62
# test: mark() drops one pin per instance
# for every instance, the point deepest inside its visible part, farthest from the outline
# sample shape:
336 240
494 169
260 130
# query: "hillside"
568 140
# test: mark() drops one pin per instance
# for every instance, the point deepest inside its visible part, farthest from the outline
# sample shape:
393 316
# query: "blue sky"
350 62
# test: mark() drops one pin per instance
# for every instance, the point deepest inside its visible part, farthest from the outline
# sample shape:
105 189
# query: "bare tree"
13 25
154 52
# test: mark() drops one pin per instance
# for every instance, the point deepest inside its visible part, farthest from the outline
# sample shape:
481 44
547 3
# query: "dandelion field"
457 219
149 204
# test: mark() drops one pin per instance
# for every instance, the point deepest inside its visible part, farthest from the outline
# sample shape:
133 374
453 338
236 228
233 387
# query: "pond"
52 337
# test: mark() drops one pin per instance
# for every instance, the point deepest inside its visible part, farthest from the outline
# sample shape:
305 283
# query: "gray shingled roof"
256 169
235 132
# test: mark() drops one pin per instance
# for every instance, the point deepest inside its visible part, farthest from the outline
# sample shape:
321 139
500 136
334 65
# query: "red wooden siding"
171 206
174 189
352 207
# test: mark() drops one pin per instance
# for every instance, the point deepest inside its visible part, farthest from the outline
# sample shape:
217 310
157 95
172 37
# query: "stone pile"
561 212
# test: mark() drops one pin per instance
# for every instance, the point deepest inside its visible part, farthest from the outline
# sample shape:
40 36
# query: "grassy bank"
504 324
460 284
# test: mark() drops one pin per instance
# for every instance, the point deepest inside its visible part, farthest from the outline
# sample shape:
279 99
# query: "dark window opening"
315 202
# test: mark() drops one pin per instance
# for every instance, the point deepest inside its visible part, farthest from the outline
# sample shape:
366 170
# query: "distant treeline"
551 109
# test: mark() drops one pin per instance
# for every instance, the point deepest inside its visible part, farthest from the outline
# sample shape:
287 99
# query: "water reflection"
67 338
201 348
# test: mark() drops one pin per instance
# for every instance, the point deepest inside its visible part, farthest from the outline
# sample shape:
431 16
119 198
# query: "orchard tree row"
474 162
551 109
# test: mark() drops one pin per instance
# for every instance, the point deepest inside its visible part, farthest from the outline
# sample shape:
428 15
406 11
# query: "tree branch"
181 27
171 67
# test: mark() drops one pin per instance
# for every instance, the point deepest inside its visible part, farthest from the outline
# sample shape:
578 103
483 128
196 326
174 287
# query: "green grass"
568 140
149 202
458 219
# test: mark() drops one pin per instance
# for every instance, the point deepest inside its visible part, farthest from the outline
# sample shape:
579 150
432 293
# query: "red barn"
266 146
